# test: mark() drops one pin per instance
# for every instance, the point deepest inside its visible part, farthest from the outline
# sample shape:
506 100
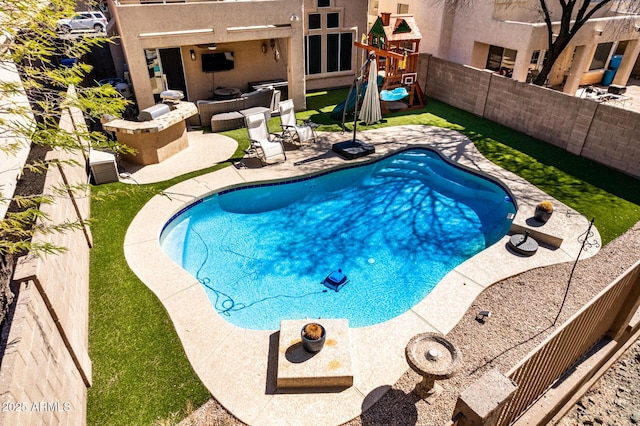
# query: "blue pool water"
395 228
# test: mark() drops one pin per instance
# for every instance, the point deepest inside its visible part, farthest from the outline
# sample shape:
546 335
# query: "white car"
84 21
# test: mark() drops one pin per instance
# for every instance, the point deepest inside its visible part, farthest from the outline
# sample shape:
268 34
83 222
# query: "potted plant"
313 336
543 211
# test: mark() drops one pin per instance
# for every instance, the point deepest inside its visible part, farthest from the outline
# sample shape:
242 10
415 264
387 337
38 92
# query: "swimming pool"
395 227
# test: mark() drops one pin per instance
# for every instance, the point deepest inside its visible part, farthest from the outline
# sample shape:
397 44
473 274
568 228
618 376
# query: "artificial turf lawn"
140 372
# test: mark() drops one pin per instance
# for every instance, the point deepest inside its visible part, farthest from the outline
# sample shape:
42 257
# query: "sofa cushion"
258 98
207 109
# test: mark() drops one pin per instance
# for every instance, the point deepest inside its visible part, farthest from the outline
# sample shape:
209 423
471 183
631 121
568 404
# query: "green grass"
140 372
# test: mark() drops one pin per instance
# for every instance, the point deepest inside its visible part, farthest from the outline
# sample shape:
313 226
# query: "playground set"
395 41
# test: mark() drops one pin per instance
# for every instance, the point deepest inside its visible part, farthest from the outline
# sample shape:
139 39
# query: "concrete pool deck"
239 367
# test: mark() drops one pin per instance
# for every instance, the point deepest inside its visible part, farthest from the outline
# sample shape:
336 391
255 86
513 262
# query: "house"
510 37
201 47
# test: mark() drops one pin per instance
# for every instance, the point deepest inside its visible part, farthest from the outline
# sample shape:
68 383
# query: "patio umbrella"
370 112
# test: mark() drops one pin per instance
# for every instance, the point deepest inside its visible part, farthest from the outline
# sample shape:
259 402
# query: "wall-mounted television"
219 61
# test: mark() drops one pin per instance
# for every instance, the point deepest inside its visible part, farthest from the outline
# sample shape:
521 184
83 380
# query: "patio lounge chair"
266 146
275 102
293 130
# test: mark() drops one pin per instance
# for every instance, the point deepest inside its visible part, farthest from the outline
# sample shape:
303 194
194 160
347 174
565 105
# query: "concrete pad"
457 289
204 150
378 352
331 367
311 409
226 178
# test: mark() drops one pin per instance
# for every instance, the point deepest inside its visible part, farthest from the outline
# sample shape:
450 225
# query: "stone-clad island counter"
157 139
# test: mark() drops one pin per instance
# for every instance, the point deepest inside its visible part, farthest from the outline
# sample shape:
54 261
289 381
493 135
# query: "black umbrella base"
352 149
523 244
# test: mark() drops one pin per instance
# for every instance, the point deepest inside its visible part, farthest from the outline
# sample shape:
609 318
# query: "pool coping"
238 366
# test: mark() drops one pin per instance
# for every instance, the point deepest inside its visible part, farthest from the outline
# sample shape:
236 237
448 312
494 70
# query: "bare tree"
575 14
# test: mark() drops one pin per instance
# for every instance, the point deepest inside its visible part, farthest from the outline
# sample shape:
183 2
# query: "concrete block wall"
457 85
600 132
614 139
45 369
539 112
39 381
63 277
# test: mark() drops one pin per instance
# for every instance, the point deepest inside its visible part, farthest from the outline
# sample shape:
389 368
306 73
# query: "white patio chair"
293 130
275 101
266 146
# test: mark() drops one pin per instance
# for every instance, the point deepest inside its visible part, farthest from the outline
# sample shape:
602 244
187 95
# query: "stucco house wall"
239 27
353 19
464 36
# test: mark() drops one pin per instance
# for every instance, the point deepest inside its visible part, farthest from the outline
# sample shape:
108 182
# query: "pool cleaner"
335 280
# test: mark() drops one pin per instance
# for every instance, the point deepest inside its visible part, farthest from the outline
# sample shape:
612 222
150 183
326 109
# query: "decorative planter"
541 215
313 336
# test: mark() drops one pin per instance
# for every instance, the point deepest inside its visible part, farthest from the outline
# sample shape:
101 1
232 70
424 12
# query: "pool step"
410 166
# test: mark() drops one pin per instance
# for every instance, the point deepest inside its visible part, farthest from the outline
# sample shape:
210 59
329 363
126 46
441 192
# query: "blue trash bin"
615 61
607 79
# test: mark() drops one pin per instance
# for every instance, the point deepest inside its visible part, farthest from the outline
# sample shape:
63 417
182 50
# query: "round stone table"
434 358
224 93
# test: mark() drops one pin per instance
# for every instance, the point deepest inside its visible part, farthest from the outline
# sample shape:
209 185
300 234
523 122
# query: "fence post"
481 403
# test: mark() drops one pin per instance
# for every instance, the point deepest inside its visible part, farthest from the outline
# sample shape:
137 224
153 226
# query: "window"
315 21
535 57
328 45
339 51
601 56
621 47
333 47
402 9
333 20
494 58
346 47
313 52
501 60
407 46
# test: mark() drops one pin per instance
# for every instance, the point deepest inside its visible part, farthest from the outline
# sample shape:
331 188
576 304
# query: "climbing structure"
395 40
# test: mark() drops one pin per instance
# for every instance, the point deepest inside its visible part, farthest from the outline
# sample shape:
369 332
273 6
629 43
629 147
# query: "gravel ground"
523 310
615 399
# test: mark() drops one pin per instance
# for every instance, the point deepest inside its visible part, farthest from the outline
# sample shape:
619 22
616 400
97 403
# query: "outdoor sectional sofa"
229 114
